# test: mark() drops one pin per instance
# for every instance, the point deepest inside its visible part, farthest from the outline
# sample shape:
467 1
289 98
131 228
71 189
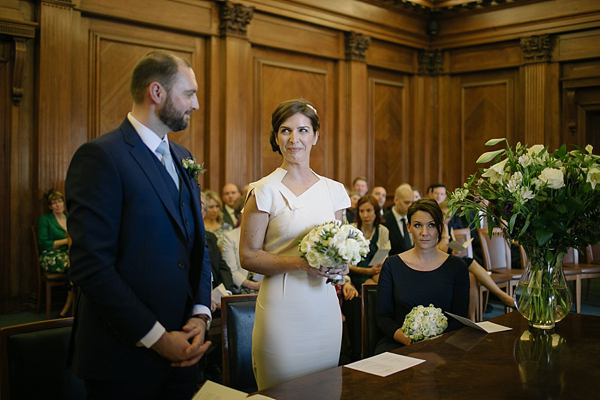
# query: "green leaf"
493 142
511 224
489 156
543 236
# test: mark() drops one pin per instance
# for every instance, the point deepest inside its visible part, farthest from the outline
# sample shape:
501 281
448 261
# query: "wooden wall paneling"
534 77
236 66
280 33
552 128
54 94
280 76
509 23
491 56
403 28
391 56
114 50
425 155
341 154
6 283
449 144
360 155
214 99
388 131
487 111
193 16
577 45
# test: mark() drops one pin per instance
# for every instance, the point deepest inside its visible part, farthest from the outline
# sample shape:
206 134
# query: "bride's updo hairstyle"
431 207
287 109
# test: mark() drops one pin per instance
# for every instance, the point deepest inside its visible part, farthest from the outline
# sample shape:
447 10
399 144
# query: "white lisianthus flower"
495 172
525 194
305 246
525 160
514 182
593 175
553 177
535 149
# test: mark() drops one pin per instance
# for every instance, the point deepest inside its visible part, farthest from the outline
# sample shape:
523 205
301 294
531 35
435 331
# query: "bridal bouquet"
424 322
332 244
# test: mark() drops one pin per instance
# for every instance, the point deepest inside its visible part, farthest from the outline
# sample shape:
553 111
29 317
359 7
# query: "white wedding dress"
298 324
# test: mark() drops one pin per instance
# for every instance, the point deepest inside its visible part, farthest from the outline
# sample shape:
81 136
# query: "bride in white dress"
298 324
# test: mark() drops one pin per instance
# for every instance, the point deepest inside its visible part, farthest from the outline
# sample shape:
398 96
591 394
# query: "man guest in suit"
396 221
138 251
229 195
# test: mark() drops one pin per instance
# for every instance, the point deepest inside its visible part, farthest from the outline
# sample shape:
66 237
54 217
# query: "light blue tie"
167 161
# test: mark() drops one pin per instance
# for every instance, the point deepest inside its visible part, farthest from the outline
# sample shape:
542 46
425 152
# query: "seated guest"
477 274
350 212
53 240
417 193
421 276
368 220
230 195
396 221
213 221
244 281
381 195
360 185
437 191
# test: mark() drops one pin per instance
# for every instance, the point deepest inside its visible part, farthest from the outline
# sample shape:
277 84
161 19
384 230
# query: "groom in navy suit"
139 253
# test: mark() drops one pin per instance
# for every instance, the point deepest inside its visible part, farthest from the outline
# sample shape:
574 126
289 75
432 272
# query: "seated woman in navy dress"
422 275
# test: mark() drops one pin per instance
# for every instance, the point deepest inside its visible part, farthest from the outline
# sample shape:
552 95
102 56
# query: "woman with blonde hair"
213 220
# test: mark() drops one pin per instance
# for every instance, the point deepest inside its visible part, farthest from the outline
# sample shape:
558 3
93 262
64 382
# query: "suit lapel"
142 155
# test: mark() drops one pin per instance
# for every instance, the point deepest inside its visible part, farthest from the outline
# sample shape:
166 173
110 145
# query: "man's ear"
156 92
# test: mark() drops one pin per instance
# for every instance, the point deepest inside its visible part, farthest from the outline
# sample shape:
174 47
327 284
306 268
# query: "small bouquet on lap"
423 323
332 245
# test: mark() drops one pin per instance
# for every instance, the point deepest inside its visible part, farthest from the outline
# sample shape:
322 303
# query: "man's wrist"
205 318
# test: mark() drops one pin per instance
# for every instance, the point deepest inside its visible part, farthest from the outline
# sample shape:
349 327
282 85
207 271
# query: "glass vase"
542 295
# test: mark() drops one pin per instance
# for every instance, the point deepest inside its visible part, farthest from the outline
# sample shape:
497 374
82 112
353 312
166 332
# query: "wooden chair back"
593 254
462 236
496 250
370 332
237 322
33 359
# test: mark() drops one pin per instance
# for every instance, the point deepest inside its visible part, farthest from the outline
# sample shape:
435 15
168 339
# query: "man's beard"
170 117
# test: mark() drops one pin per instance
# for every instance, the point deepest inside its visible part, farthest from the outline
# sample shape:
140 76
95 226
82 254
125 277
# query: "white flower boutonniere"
193 168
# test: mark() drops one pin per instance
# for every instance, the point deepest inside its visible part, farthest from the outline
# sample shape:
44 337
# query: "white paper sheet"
379 257
485 326
213 391
219 292
385 364
457 246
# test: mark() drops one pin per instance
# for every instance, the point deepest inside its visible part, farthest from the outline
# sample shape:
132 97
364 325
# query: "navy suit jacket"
130 255
396 239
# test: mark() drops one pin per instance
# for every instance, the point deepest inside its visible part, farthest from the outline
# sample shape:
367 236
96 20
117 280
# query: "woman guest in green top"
53 239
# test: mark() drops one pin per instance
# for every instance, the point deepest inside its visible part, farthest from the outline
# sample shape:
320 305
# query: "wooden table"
505 365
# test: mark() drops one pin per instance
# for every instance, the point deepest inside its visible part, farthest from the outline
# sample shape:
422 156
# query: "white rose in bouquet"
424 322
332 245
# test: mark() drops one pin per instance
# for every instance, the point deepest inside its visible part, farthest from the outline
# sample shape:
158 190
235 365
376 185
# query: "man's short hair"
435 186
359 178
156 66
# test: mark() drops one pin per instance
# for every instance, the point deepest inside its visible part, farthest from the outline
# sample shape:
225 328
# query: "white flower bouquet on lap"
332 245
424 323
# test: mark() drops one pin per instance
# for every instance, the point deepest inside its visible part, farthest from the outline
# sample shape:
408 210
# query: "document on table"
379 257
385 364
485 326
213 391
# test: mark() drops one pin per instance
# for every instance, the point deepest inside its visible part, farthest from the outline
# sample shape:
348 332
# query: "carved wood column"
236 93
536 57
357 144
54 92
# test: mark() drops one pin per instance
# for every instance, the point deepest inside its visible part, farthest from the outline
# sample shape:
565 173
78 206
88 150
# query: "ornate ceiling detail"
536 49
431 62
356 46
443 6
234 18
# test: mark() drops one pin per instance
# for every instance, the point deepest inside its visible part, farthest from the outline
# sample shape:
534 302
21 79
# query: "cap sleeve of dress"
339 196
267 192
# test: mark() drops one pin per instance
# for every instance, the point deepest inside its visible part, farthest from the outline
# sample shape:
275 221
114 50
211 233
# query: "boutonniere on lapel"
193 168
